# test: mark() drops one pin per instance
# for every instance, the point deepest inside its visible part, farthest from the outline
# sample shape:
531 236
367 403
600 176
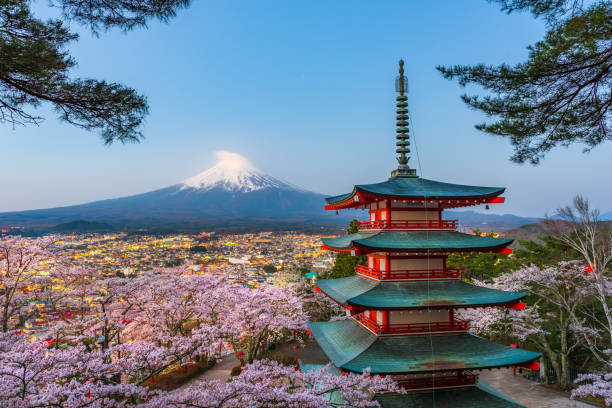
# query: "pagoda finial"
403 130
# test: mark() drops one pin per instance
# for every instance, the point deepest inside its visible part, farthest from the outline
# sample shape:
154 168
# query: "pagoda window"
415 215
416 204
420 316
403 264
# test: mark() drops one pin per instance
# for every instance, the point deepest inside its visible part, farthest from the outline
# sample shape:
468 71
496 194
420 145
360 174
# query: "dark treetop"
562 94
35 65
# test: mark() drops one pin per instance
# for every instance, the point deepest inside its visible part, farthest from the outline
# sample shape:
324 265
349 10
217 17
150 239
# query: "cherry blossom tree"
269 384
19 278
581 229
32 375
115 334
262 315
181 313
595 385
548 322
97 311
317 305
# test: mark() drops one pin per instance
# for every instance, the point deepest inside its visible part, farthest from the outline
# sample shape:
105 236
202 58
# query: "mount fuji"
231 195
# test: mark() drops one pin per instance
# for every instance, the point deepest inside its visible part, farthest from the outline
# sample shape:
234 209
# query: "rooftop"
353 348
365 293
474 397
408 187
416 241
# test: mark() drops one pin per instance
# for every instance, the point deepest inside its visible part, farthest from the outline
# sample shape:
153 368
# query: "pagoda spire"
403 126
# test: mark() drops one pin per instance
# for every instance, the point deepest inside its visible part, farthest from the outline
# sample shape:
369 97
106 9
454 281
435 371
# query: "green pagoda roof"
482 395
473 397
410 187
353 348
368 294
418 241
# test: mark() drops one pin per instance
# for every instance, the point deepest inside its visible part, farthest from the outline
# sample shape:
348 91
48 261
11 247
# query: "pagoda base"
479 396
439 381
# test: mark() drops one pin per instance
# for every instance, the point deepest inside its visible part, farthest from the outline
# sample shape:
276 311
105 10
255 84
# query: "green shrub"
280 358
236 371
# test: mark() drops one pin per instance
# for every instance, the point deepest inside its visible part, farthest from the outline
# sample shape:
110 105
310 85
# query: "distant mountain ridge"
233 195
488 222
606 216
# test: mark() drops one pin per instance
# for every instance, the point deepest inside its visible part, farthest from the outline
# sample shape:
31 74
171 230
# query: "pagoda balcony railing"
412 328
462 379
407 274
420 224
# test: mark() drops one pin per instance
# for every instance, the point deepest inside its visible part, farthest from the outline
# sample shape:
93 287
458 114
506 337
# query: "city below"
249 260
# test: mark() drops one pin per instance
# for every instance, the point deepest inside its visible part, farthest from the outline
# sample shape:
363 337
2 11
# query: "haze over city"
306 93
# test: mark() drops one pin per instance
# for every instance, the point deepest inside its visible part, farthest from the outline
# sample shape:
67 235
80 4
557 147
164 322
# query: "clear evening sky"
305 90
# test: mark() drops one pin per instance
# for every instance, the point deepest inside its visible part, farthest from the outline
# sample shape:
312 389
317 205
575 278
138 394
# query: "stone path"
528 393
220 371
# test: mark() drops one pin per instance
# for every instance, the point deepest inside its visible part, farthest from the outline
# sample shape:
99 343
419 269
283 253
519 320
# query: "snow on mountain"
234 172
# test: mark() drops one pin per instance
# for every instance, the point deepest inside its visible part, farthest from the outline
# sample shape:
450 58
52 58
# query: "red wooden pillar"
387 261
385 321
388 211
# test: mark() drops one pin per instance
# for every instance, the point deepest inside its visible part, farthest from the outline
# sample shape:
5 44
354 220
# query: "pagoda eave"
364 294
358 250
416 189
441 203
425 242
458 306
353 348
479 395
482 395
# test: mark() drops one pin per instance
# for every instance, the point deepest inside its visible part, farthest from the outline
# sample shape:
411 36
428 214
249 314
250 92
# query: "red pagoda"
403 302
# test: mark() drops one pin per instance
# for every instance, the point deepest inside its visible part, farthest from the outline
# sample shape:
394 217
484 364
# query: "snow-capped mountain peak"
233 172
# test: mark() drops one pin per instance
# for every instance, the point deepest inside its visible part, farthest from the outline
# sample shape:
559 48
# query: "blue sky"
305 90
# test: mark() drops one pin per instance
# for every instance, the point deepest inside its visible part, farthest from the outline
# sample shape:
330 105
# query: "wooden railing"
463 378
421 224
407 274
412 328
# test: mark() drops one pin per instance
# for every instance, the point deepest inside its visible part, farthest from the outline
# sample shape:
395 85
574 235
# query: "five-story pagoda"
403 302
